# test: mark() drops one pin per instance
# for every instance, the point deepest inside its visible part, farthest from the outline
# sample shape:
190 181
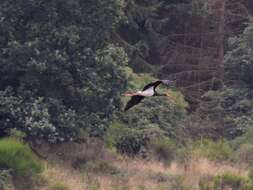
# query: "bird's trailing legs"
131 94
168 94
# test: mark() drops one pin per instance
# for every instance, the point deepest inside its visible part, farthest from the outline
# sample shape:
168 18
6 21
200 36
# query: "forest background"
65 64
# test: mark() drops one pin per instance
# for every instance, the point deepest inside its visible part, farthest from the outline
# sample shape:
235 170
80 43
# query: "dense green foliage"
58 72
18 157
65 63
61 78
232 107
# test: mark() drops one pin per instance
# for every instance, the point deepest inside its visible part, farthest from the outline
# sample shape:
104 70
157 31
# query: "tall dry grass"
134 174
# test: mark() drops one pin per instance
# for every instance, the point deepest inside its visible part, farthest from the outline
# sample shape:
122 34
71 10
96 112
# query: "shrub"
219 150
244 154
18 157
226 181
6 182
235 182
160 177
206 183
59 186
16 134
99 166
125 140
164 149
246 138
133 141
114 133
251 174
94 184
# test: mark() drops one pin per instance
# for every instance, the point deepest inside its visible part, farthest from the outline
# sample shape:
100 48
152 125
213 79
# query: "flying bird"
147 91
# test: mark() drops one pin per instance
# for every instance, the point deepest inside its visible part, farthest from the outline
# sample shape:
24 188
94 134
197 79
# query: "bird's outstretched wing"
152 84
133 101
157 83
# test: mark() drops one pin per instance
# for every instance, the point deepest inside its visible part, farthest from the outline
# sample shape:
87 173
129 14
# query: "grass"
100 167
59 186
124 173
18 157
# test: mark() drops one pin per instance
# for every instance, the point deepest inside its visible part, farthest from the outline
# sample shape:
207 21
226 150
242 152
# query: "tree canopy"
58 71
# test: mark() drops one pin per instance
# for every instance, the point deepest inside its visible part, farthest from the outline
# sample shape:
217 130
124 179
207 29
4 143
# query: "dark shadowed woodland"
64 65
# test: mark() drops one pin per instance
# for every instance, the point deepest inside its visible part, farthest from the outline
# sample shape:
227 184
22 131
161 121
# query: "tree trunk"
221 31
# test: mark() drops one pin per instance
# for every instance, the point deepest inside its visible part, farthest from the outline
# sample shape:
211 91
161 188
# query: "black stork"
147 91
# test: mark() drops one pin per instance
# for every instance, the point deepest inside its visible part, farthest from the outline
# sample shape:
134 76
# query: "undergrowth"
18 157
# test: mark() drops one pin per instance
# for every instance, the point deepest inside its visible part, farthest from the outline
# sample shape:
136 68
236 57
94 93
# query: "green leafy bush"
125 140
219 150
18 157
132 141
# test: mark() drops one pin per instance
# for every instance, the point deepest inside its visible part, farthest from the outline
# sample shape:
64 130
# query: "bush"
6 182
132 141
219 150
160 177
125 140
235 182
244 154
226 181
164 149
114 133
206 183
18 157
251 174
59 186
101 166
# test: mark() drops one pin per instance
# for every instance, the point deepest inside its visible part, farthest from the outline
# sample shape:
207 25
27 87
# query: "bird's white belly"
148 92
